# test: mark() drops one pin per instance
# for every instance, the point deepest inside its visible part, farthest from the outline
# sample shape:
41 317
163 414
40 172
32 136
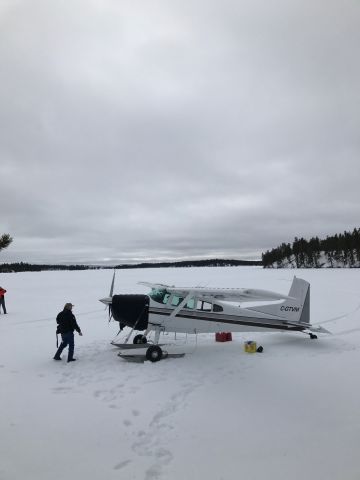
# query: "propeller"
107 300
111 294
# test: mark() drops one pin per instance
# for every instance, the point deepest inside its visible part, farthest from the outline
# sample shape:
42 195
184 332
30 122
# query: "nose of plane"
106 300
130 310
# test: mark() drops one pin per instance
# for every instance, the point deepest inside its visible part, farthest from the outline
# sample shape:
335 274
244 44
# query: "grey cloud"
133 131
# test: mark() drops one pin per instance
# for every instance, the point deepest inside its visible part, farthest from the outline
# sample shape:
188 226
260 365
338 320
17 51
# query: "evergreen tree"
5 241
296 251
356 237
340 249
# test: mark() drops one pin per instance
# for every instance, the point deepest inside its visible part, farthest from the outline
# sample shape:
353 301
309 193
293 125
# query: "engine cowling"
131 310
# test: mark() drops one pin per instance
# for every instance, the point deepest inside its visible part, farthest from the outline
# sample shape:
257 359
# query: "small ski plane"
210 310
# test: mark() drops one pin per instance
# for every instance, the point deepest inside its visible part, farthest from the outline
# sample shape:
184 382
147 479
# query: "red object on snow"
223 336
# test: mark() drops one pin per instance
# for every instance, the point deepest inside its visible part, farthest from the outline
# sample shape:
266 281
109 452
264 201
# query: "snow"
217 414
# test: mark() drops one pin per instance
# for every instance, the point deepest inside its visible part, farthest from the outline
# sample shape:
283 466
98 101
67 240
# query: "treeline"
194 263
27 267
340 250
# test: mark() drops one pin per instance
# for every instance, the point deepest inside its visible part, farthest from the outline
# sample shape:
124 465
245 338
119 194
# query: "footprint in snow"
61 389
121 465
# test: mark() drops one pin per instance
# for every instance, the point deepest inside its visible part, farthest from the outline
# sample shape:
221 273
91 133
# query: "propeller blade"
112 285
111 294
108 300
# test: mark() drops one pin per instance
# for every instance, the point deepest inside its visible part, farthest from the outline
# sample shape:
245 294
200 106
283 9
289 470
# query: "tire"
139 339
154 353
260 349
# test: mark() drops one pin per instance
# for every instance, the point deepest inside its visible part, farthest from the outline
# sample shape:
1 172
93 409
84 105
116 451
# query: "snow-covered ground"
292 412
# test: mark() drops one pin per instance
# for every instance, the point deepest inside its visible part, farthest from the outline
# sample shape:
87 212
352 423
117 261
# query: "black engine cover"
131 310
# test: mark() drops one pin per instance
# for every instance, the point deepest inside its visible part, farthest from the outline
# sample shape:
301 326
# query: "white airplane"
210 310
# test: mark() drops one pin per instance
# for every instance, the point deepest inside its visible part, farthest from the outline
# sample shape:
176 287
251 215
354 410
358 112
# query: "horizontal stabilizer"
319 330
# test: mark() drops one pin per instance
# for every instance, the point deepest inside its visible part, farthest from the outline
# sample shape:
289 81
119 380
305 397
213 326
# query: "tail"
295 308
300 290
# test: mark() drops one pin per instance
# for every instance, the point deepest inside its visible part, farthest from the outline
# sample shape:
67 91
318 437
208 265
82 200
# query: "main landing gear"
154 352
313 336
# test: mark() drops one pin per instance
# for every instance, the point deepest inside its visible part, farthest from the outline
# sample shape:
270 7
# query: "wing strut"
181 304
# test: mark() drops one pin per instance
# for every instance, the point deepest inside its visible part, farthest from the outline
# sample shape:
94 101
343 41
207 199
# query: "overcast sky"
142 130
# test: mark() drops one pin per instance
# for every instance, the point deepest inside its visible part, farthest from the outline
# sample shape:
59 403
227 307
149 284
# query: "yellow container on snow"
250 347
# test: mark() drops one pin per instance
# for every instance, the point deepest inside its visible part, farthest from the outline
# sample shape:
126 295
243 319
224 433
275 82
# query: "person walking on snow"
66 325
2 299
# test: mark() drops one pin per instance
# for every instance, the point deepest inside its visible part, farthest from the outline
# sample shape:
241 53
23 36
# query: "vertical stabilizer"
300 290
295 308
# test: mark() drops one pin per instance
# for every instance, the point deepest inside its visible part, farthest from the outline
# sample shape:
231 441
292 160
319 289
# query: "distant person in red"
66 325
2 299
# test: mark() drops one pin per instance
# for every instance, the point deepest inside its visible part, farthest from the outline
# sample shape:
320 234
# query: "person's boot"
58 352
71 360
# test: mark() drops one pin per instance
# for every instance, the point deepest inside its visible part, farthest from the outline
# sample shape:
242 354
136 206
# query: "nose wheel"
138 339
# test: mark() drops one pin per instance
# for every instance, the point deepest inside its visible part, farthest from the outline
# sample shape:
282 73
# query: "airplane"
196 310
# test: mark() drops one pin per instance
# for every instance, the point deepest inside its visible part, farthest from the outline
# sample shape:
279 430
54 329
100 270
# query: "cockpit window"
160 295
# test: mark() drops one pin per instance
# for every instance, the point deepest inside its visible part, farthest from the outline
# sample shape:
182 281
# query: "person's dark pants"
67 339
2 304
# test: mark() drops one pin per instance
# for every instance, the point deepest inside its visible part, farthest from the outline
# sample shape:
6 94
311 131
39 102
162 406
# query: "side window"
176 300
190 303
217 308
204 306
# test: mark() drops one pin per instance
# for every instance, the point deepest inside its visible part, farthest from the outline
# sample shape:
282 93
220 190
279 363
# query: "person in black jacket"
66 325
2 299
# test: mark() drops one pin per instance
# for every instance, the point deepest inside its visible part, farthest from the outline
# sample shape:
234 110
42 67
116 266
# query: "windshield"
159 295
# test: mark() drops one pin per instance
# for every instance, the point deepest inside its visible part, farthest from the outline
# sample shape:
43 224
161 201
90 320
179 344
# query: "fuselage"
170 312
224 317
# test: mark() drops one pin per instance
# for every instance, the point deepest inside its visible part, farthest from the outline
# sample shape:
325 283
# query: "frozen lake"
217 414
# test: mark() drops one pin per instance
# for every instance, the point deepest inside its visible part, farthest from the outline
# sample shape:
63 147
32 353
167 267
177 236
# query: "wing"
226 294
242 294
155 285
